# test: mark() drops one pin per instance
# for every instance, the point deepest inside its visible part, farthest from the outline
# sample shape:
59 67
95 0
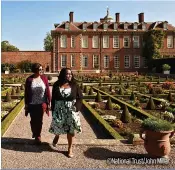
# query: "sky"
25 23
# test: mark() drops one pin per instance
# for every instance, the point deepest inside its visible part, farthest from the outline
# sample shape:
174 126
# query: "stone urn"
157 144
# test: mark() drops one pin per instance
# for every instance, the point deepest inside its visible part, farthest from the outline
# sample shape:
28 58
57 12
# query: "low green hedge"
101 121
140 113
3 93
10 117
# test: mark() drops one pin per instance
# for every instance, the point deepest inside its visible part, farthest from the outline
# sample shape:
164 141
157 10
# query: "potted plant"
7 70
157 135
166 68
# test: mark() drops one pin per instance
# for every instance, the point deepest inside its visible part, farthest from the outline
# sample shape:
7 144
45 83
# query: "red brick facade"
34 56
76 29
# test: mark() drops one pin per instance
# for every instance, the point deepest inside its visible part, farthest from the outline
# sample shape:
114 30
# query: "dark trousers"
36 114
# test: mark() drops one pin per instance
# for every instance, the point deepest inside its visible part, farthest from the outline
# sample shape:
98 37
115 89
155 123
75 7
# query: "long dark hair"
62 77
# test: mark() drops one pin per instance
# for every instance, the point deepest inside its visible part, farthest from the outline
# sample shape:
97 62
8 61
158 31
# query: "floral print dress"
65 119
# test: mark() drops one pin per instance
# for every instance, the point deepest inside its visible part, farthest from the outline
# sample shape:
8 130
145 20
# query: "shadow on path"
27 145
100 153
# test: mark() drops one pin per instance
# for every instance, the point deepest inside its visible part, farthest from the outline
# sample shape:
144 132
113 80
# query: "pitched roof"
78 26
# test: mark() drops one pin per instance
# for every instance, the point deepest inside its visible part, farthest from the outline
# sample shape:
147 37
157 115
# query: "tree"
6 46
48 42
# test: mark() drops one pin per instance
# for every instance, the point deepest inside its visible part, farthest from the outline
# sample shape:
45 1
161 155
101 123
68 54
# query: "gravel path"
18 150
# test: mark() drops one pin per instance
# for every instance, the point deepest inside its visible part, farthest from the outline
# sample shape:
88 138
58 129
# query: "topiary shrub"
18 90
132 97
127 85
110 88
22 87
13 92
125 117
121 92
85 90
91 91
170 97
109 104
7 97
150 104
98 97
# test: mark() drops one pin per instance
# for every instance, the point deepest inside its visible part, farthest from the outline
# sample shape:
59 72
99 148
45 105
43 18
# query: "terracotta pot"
157 144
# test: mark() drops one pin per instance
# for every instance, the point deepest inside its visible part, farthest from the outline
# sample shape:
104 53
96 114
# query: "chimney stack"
71 15
117 17
141 17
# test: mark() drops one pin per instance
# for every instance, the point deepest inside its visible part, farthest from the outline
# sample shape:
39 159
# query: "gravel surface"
18 150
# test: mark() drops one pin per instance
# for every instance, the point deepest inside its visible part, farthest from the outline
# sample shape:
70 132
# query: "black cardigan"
76 93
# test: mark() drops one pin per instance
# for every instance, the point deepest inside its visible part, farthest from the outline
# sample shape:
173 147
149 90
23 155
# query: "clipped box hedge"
11 116
135 111
100 121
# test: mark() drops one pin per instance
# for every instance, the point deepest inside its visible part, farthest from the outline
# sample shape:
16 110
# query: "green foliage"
85 90
13 92
153 41
132 97
6 46
22 87
121 92
7 97
127 85
109 104
150 104
25 66
166 67
48 42
157 125
18 90
98 97
116 106
91 91
125 117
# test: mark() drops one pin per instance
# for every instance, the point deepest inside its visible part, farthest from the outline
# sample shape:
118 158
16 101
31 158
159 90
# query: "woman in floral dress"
66 105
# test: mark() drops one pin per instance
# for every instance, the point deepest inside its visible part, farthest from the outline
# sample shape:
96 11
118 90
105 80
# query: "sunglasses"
40 69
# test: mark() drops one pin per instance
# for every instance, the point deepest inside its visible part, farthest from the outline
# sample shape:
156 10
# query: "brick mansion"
107 44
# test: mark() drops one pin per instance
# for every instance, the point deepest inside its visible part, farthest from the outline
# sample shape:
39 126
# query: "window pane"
85 42
95 42
136 61
115 42
106 61
127 61
126 42
170 41
116 62
105 41
63 41
72 60
63 60
72 41
136 41
85 61
95 61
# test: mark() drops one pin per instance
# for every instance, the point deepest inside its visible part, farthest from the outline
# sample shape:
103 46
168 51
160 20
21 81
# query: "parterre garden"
124 101
121 101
